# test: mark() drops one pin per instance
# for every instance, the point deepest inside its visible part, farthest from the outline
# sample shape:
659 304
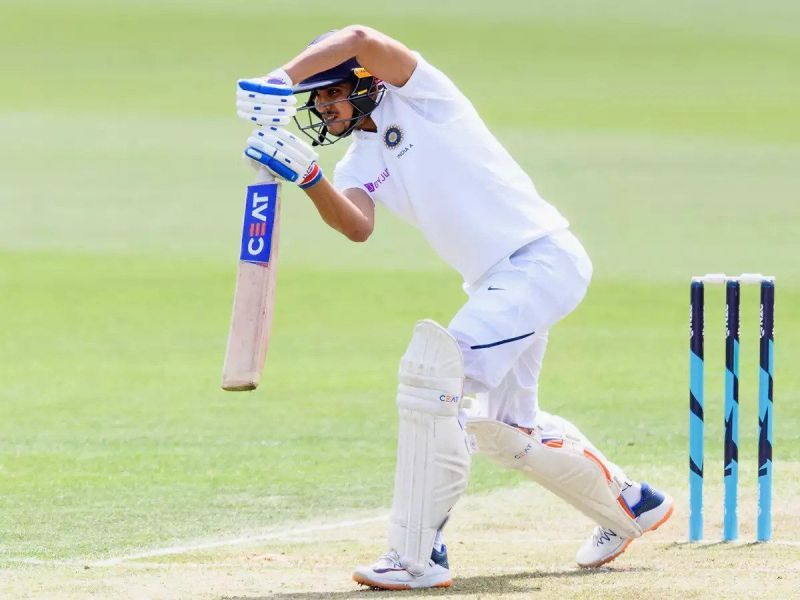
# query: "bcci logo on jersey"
259 220
392 136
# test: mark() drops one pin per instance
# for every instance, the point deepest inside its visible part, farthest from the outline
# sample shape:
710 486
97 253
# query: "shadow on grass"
711 545
511 583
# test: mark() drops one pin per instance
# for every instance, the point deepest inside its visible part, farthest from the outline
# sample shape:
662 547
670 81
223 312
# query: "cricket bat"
254 297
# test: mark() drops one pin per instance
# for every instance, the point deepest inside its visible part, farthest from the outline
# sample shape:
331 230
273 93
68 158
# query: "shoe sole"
624 546
397 586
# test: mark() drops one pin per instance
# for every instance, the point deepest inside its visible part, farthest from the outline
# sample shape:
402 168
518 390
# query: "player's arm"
382 56
351 212
269 101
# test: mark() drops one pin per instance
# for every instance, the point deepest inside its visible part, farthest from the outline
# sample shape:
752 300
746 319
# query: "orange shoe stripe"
608 559
383 586
664 519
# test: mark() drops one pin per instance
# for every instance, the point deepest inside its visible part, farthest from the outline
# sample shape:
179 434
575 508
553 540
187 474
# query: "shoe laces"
602 535
391 557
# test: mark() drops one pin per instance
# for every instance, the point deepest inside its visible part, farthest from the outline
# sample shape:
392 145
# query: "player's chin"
337 128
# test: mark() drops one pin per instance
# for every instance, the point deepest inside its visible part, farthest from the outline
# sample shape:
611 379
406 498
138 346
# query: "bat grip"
264 176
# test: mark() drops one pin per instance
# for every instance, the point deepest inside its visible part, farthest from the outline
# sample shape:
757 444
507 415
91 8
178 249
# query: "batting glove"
285 155
266 100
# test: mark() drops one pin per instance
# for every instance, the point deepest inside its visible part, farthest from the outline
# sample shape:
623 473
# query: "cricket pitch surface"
510 543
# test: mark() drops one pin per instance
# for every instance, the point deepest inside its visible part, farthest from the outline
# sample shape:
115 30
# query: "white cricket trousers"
502 329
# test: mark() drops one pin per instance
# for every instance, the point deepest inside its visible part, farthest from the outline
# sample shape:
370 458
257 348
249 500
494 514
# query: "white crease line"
277 535
187 548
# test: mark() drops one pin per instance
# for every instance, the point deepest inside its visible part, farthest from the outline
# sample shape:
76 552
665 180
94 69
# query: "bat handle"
264 176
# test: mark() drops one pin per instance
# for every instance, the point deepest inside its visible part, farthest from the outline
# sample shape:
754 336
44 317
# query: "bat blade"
253 301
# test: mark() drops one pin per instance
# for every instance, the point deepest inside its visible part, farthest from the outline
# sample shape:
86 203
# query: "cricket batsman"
420 148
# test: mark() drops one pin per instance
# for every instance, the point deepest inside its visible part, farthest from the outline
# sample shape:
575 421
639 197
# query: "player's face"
334 107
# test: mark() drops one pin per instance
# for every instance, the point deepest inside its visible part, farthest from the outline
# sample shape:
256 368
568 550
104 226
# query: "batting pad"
432 455
562 465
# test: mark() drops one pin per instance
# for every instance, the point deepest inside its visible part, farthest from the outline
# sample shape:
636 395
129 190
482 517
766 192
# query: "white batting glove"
285 155
266 100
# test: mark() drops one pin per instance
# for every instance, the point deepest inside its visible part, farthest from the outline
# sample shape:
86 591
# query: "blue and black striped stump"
765 408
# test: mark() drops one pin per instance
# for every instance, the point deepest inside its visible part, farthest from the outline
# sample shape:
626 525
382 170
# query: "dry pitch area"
511 543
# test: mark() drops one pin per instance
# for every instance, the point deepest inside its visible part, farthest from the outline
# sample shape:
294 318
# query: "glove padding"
266 100
285 155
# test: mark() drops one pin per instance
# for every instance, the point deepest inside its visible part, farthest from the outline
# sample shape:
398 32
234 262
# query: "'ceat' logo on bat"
259 220
257 230
259 205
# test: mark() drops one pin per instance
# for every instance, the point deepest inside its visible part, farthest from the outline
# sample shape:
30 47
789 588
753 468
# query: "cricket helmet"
365 95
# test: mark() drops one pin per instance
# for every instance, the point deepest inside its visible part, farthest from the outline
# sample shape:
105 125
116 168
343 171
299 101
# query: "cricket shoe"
388 574
605 545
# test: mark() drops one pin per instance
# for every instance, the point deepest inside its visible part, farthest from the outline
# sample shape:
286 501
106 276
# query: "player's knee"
431 371
482 373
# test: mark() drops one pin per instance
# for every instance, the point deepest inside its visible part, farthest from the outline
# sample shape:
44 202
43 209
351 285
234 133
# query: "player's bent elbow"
358 32
360 234
359 36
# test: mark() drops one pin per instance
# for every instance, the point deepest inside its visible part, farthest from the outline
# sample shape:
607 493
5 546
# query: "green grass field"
668 134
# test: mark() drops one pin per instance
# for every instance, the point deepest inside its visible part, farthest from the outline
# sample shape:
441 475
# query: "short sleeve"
431 93
359 165
342 180
345 175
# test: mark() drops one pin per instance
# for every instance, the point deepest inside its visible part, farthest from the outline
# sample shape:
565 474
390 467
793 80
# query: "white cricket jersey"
434 163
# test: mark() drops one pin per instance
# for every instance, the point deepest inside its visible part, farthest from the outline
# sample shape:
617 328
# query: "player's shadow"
510 583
